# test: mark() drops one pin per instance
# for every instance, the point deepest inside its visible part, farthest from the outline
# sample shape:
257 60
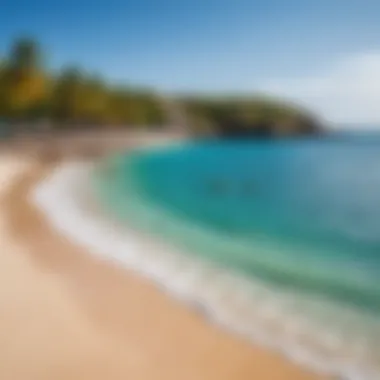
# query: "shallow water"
283 239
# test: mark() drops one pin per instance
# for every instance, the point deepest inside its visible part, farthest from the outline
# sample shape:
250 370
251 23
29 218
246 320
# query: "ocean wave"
315 333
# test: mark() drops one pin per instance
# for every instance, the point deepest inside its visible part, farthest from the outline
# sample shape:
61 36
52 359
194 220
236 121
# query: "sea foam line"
254 312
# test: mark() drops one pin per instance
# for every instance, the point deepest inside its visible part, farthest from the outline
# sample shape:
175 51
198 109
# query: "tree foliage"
72 97
245 117
75 98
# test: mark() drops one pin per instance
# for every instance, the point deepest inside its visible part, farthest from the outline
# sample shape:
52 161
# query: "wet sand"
66 314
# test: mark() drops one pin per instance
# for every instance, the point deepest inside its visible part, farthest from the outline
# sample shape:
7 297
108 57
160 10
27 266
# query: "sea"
277 241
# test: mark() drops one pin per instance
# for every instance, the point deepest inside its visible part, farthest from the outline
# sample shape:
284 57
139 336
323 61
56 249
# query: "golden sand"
67 315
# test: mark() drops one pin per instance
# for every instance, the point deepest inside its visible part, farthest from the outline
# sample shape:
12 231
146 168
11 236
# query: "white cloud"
347 93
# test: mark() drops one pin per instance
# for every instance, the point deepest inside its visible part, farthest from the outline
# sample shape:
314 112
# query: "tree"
94 101
67 96
24 84
25 54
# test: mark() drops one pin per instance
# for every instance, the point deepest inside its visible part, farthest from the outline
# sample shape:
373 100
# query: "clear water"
298 221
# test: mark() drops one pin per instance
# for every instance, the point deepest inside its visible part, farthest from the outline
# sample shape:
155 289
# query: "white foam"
255 311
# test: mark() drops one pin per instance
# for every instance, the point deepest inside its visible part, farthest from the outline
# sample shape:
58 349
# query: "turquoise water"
301 216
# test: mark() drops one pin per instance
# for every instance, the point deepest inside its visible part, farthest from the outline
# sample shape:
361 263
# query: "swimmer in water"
249 188
218 187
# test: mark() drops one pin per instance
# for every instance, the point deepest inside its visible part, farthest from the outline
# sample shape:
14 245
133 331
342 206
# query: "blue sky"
285 47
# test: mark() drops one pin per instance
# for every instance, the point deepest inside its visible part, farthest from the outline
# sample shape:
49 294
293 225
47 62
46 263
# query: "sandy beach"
65 314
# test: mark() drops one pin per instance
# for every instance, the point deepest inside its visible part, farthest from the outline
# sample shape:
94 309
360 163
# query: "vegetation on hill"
249 117
31 95
28 92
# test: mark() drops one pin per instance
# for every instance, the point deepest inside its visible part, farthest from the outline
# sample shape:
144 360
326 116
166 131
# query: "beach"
67 314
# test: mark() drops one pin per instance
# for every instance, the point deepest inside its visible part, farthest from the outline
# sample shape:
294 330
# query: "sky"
324 54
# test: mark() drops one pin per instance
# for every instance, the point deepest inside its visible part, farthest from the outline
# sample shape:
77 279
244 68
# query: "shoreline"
267 317
43 335
130 315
